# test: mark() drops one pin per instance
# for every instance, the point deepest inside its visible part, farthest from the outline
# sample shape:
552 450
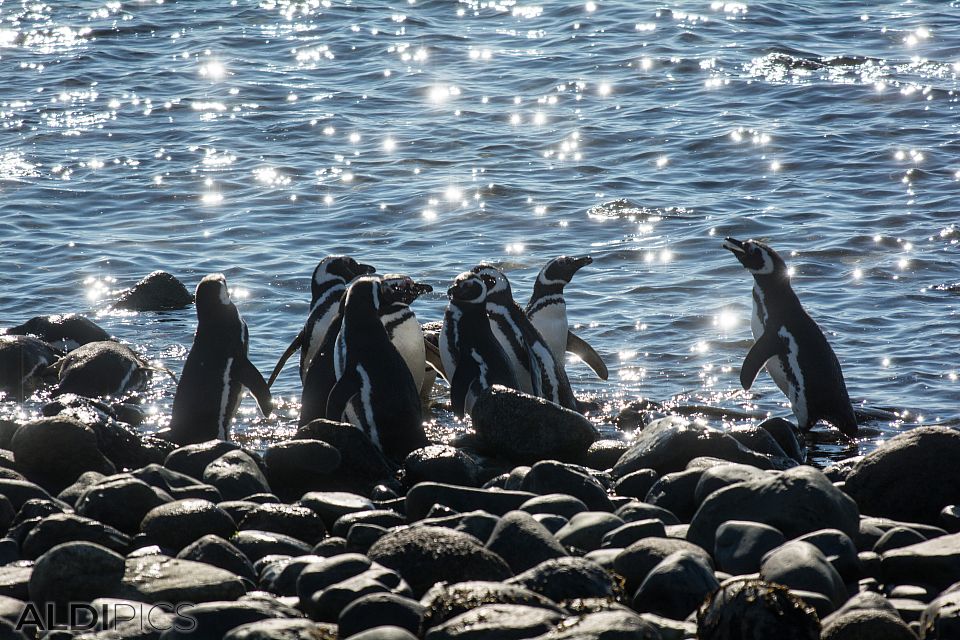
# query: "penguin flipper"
342 392
767 346
250 377
292 349
464 377
579 347
433 358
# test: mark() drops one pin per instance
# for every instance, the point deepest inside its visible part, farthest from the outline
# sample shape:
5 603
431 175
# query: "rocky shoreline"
684 532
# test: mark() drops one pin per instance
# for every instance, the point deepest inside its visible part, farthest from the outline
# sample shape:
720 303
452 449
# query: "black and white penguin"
23 362
63 332
790 344
537 371
101 368
375 390
473 359
547 311
329 281
216 370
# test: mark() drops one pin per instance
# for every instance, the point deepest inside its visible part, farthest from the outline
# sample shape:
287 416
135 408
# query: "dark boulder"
158 291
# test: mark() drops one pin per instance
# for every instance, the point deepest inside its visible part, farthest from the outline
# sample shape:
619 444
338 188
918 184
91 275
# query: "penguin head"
498 287
561 270
468 288
398 288
363 294
757 257
213 298
338 268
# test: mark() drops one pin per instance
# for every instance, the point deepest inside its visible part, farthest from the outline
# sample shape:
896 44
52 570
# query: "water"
424 136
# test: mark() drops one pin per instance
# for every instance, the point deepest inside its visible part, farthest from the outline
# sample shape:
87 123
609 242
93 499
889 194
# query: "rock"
178 485
934 562
279 574
330 505
525 429
585 530
496 621
605 625
756 610
421 498
315 577
479 524
378 609
120 618
758 439
125 448
159 291
283 629
786 435
120 501
862 601
19 491
66 527
801 566
75 572
192 459
159 578
910 477
716 478
57 450
102 368
523 542
56 329
326 605
636 484
866 625
636 561
445 601
15 579
236 475
550 476
380 517
295 467
215 619
386 632
676 586
950 518
259 544
424 556
440 463
298 522
176 524
634 511
839 550
217 552
362 536
676 493
668 444
626 534
603 454
557 503
941 619
741 545
897 538
362 464
71 494
567 579
22 361
797 501
330 546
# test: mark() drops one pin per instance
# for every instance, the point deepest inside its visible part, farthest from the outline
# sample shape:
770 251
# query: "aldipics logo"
83 616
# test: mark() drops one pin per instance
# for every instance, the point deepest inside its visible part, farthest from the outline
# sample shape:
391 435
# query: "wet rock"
523 542
585 530
176 524
445 601
716 478
279 574
787 437
67 527
635 510
125 448
158 291
119 618
801 566
421 498
636 484
525 429
839 549
896 538
676 586
567 579
284 629
121 502
192 459
797 501
911 477
933 562
556 503
603 454
23 360
427 555
494 621
330 546
330 505
236 475
440 463
316 577
381 517
64 331
550 476
57 450
676 493
668 444
215 619
636 561
378 609
741 545
178 485
14 580
259 544
630 532
326 605
19 491
362 464
298 522
217 552
362 536
386 632
75 572
157 578
941 619
604 625
865 624
756 610
295 467
551 522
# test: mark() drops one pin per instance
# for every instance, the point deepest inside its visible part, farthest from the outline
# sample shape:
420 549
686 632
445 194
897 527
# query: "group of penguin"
366 359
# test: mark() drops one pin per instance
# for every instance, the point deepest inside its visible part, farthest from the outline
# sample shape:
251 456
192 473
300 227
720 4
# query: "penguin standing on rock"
375 390
472 358
790 344
216 370
547 311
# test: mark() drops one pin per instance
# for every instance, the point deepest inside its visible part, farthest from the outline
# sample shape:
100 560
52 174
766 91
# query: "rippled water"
253 138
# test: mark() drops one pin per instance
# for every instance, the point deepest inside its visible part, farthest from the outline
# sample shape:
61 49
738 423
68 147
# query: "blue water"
253 138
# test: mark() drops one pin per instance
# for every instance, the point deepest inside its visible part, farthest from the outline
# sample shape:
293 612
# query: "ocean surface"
423 136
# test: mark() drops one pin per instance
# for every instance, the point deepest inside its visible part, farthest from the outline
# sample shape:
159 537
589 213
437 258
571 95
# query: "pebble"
215 619
362 464
120 501
941 619
192 459
440 463
523 542
102 368
158 578
447 600
259 544
740 545
317 576
295 467
67 527
380 517
550 476
385 632
330 505
75 572
603 454
176 524
325 605
839 550
378 609
236 475
421 498
636 510
748 609
801 566
178 485
585 530
55 451
556 503
676 586
567 579
217 552
298 522
479 524
932 562
724 475
676 492
628 533
283 629
636 484
362 535
896 538
506 621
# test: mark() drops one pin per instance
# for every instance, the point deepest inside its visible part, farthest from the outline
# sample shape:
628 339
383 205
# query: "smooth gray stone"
386 632
560 504
192 459
721 476
177 485
897 538
864 624
295 521
362 464
934 562
636 484
330 505
802 566
284 629
176 524
158 291
56 451
121 502
75 572
421 498
156 578
550 476
217 552
381 517
258 544
479 524
839 549
605 625
378 609
318 576
675 492
603 454
567 579
637 560
523 542
628 533
444 601
676 586
941 618
326 605
440 463
636 510
496 622
551 522
741 545
236 475
585 530
216 619
67 527
787 436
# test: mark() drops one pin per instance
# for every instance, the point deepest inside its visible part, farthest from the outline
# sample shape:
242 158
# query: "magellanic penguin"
23 361
329 281
102 368
216 370
473 359
537 371
790 344
62 332
375 390
547 311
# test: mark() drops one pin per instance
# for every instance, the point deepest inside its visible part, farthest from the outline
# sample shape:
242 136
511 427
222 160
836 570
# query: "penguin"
23 361
329 281
547 311
62 332
537 371
101 368
472 357
216 370
375 390
790 344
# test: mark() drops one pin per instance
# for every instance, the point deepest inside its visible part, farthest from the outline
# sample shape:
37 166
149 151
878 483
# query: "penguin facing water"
790 344
216 370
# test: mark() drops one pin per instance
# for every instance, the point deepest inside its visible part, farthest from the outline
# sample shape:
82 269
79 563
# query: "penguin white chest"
313 341
407 337
500 324
551 321
794 384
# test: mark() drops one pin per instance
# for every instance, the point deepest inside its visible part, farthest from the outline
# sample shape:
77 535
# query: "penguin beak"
366 269
581 262
735 246
420 288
